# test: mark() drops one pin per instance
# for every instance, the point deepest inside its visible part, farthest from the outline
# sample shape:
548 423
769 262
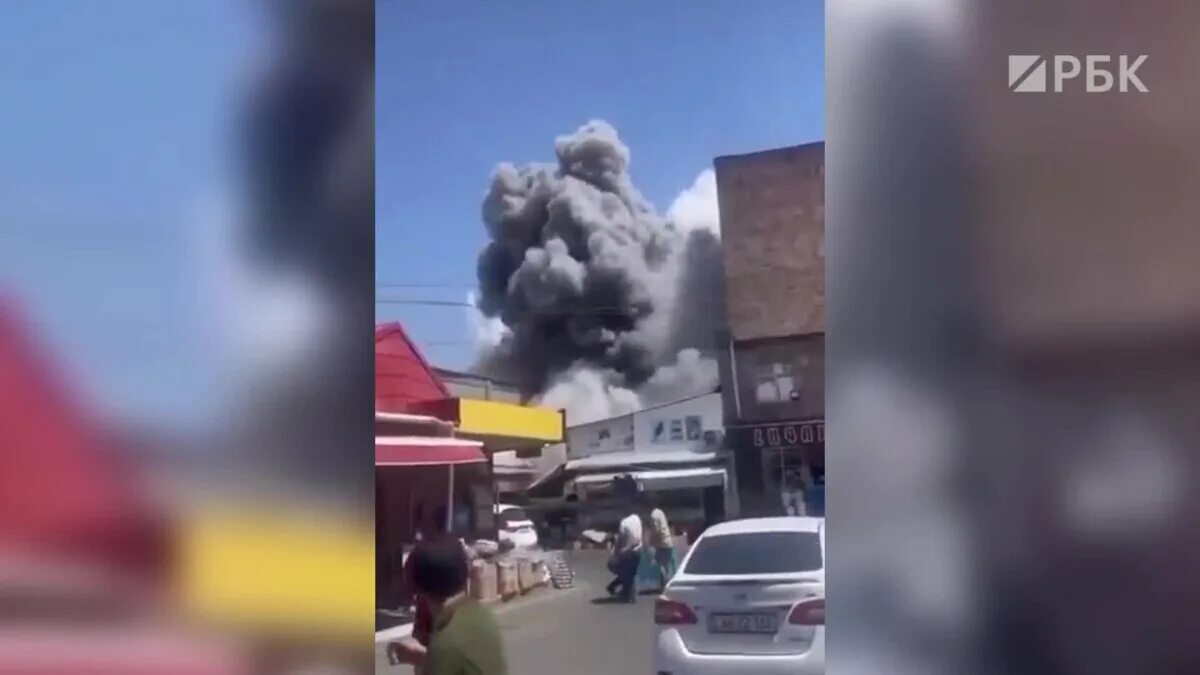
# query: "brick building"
773 347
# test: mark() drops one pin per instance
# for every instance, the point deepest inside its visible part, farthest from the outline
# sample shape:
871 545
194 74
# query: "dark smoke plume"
607 306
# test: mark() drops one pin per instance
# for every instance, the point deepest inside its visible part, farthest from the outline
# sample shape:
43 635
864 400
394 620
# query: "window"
757 553
775 383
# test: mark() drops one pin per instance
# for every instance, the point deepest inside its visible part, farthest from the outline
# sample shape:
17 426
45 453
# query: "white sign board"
680 425
611 435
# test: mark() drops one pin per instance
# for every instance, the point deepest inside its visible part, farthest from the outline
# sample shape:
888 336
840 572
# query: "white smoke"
691 374
696 208
589 394
268 321
486 332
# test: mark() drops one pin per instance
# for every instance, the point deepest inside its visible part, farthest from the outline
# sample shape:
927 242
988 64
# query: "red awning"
426 451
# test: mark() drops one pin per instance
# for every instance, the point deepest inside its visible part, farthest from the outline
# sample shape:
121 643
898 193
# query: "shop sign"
611 435
676 429
779 435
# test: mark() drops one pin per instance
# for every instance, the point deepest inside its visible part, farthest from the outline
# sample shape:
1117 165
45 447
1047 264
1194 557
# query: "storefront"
781 467
433 450
426 486
693 496
671 452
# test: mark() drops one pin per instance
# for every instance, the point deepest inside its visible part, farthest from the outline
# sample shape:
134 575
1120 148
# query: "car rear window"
512 516
757 553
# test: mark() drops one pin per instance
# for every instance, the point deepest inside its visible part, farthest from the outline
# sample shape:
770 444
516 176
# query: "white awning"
634 458
663 479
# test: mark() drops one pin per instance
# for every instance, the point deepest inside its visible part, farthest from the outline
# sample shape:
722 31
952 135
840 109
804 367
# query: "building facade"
671 452
773 346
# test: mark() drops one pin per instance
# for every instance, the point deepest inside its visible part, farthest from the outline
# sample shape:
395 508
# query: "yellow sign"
494 418
299 572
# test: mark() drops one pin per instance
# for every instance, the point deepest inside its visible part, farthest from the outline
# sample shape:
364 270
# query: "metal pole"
450 503
737 386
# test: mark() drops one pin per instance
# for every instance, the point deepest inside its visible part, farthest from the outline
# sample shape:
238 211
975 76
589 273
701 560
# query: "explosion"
605 305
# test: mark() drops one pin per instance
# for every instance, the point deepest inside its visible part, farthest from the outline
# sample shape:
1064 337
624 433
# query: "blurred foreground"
1013 293
243 543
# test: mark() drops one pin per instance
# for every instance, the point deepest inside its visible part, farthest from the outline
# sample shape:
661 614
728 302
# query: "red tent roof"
402 375
60 491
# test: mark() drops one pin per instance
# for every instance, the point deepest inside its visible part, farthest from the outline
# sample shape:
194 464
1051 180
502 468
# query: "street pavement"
574 631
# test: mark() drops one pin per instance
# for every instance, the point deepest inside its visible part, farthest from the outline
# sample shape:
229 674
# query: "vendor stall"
424 486
433 452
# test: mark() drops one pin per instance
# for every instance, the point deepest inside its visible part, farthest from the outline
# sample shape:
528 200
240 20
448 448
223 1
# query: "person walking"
627 553
662 543
466 638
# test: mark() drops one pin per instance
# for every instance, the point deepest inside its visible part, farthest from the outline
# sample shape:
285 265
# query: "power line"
432 303
425 285
586 311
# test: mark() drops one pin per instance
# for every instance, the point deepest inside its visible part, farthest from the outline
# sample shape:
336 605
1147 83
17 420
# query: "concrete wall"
773 235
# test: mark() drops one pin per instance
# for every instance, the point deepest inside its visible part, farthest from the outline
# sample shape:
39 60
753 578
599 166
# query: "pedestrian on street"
466 639
627 553
662 544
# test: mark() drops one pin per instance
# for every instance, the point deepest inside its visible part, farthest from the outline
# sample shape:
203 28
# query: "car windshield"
509 516
756 553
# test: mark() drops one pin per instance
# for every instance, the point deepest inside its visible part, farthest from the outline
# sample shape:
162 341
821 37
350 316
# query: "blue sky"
116 136
463 86
114 132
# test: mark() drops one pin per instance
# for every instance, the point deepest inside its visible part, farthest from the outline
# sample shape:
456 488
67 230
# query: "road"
574 631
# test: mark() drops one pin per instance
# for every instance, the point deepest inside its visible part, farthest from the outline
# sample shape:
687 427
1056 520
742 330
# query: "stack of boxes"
504 580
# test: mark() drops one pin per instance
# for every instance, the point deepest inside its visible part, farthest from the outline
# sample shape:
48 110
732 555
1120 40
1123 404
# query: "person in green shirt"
466 639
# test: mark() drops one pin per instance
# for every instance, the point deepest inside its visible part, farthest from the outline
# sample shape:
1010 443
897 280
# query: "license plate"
743 623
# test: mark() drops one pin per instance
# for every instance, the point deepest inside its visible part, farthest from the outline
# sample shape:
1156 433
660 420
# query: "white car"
749 598
514 526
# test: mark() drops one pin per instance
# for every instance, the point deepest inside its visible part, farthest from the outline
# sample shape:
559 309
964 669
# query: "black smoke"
594 287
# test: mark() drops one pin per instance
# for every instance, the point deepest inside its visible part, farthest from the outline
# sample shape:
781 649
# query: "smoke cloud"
696 208
606 305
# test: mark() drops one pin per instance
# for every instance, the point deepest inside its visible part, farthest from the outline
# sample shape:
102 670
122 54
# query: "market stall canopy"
426 451
637 459
405 424
549 485
664 479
